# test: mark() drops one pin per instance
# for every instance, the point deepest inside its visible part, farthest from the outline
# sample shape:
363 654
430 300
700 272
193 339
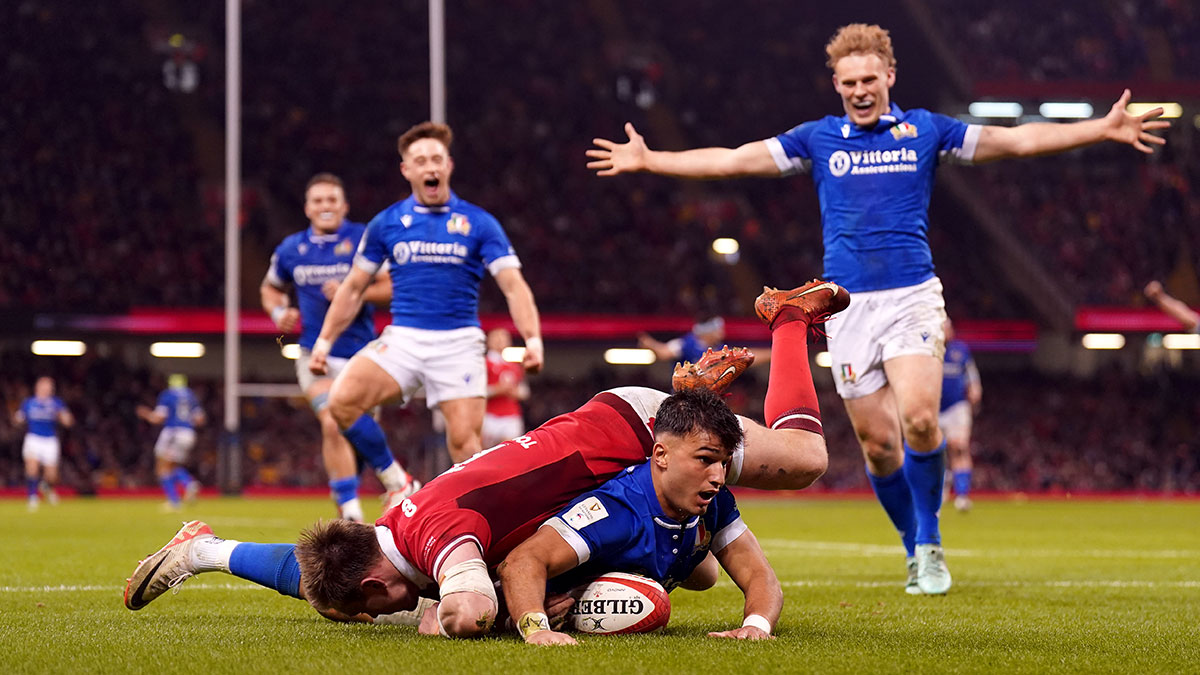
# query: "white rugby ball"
617 603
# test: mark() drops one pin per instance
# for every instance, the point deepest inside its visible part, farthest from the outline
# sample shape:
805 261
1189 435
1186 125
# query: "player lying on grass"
660 519
441 541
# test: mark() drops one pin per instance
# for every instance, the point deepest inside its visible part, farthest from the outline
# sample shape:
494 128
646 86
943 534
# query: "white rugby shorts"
447 364
879 326
174 444
955 422
44 450
334 365
500 428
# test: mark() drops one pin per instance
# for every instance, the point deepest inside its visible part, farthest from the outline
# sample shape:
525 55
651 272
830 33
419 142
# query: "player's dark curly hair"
698 410
334 557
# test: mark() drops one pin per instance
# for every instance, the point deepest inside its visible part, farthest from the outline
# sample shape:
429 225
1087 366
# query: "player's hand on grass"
1134 129
616 158
549 637
744 633
329 288
429 621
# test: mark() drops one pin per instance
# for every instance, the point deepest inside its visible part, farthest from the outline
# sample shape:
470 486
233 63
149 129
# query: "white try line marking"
797 547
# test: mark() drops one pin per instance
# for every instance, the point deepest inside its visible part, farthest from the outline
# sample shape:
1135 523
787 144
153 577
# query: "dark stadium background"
112 206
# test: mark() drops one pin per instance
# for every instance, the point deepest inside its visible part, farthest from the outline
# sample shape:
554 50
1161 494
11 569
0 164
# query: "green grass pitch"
1039 586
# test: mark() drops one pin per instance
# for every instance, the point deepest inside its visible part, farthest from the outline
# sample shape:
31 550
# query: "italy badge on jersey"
458 224
585 513
343 248
904 130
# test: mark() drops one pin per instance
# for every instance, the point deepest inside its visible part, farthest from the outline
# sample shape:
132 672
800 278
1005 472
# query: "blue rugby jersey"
179 405
874 187
41 415
957 372
620 527
436 257
307 260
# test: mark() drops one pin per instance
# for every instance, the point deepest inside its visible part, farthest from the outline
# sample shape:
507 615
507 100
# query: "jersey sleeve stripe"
727 535
368 266
504 262
569 535
626 411
787 165
454 543
966 153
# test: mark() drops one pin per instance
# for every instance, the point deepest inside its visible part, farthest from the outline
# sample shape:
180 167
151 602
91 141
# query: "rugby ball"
618 603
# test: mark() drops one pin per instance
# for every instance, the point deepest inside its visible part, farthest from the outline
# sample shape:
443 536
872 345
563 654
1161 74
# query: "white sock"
393 478
211 554
351 510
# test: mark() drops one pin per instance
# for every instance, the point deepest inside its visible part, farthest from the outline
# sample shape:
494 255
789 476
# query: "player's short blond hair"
860 38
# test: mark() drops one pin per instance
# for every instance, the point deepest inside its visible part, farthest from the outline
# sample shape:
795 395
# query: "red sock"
791 397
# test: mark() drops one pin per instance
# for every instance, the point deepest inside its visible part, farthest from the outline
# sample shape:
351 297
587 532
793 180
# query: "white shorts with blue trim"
447 364
879 326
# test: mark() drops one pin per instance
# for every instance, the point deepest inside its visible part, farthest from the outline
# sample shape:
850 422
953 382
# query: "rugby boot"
714 371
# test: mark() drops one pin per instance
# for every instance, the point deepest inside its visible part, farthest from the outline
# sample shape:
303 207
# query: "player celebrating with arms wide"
437 248
873 169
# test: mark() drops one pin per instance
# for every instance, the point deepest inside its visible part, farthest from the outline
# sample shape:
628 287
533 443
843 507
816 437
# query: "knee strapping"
320 402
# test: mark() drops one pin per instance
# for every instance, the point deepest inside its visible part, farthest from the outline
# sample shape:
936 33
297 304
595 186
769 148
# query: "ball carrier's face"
427 166
688 472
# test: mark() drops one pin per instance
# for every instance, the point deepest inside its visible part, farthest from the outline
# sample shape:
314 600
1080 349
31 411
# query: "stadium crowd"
1117 431
1110 40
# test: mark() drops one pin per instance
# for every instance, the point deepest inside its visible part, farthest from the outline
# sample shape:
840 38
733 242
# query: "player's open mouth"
707 496
432 183
864 105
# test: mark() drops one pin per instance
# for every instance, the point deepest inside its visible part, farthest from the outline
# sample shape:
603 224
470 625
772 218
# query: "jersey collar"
387 542
325 238
645 483
418 207
886 121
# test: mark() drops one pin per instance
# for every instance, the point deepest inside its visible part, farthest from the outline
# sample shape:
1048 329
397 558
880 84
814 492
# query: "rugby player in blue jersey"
314 262
179 413
41 414
671 519
437 248
961 394
706 334
873 169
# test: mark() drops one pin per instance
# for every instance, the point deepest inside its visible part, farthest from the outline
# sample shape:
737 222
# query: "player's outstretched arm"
610 158
1044 138
747 565
523 576
151 415
1173 307
524 312
345 306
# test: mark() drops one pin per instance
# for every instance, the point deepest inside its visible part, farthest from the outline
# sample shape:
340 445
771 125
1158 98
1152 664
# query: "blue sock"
893 493
171 489
181 476
344 489
368 440
925 473
270 565
31 485
962 483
